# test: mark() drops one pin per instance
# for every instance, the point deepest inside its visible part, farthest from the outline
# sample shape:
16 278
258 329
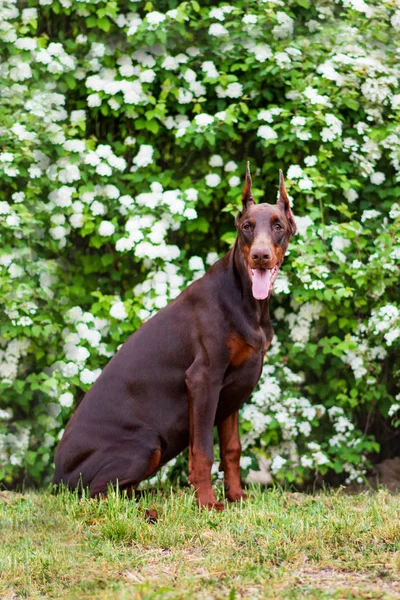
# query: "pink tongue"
261 280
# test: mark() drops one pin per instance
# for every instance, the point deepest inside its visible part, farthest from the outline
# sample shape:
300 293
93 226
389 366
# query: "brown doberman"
188 368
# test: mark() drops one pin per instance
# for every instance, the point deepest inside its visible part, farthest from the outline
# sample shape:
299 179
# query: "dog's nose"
261 254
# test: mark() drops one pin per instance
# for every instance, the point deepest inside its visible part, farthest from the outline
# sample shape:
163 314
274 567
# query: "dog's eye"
246 226
277 226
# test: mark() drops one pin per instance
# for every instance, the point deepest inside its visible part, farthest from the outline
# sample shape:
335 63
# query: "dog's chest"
247 349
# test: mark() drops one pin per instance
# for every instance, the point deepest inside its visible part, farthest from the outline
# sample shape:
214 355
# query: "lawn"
276 545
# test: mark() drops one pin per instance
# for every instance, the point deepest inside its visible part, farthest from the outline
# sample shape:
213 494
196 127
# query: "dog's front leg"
230 449
204 387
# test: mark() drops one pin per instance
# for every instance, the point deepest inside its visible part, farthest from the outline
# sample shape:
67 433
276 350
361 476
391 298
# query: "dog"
188 368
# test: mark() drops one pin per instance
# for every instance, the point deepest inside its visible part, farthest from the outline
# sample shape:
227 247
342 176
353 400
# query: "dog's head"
264 231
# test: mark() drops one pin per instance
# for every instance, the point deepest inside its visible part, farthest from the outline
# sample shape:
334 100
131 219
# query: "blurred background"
125 128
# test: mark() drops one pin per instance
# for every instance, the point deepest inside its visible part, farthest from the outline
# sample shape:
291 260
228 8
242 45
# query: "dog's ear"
247 196
284 204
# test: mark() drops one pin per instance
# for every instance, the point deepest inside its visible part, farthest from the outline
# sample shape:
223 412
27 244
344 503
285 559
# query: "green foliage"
124 135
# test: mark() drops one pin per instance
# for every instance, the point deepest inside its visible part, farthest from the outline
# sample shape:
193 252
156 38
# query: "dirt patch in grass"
379 584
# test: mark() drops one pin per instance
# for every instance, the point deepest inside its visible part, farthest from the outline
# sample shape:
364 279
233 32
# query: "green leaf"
91 21
229 238
104 24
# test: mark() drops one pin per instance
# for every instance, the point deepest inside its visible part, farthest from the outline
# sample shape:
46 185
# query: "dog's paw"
220 506
236 496
151 516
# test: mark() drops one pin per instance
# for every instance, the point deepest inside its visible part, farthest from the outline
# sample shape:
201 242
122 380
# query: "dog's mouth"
262 281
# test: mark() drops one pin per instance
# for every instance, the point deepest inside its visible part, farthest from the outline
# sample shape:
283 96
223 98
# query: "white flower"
234 90
154 18
277 463
93 100
74 314
298 121
320 458
213 179
305 183
209 69
359 5
370 214
306 461
294 172
395 100
144 157
262 52
76 220
29 14
249 19
302 224
377 178
97 208
234 181
89 377
192 194
196 263
26 44
57 219
74 146
216 161
66 399
190 213
266 132
217 30
315 98
189 75
285 27
350 195
393 409
18 197
69 369
184 96
76 353
230 166
111 191
104 151
217 13
106 228
21 132
104 169
5 208
212 257
310 161
77 116
203 120
118 311
265 115
58 233
6 157
394 211
170 63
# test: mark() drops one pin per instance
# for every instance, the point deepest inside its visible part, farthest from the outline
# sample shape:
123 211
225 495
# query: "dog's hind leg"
127 464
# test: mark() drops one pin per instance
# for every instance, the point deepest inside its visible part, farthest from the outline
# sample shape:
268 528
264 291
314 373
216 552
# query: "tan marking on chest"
239 349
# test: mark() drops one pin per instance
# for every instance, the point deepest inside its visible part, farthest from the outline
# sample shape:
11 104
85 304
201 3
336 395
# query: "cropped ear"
247 196
284 204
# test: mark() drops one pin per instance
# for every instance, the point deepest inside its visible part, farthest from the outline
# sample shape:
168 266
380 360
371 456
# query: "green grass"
276 545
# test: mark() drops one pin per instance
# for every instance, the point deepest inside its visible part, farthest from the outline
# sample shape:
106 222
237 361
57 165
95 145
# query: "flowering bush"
124 134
